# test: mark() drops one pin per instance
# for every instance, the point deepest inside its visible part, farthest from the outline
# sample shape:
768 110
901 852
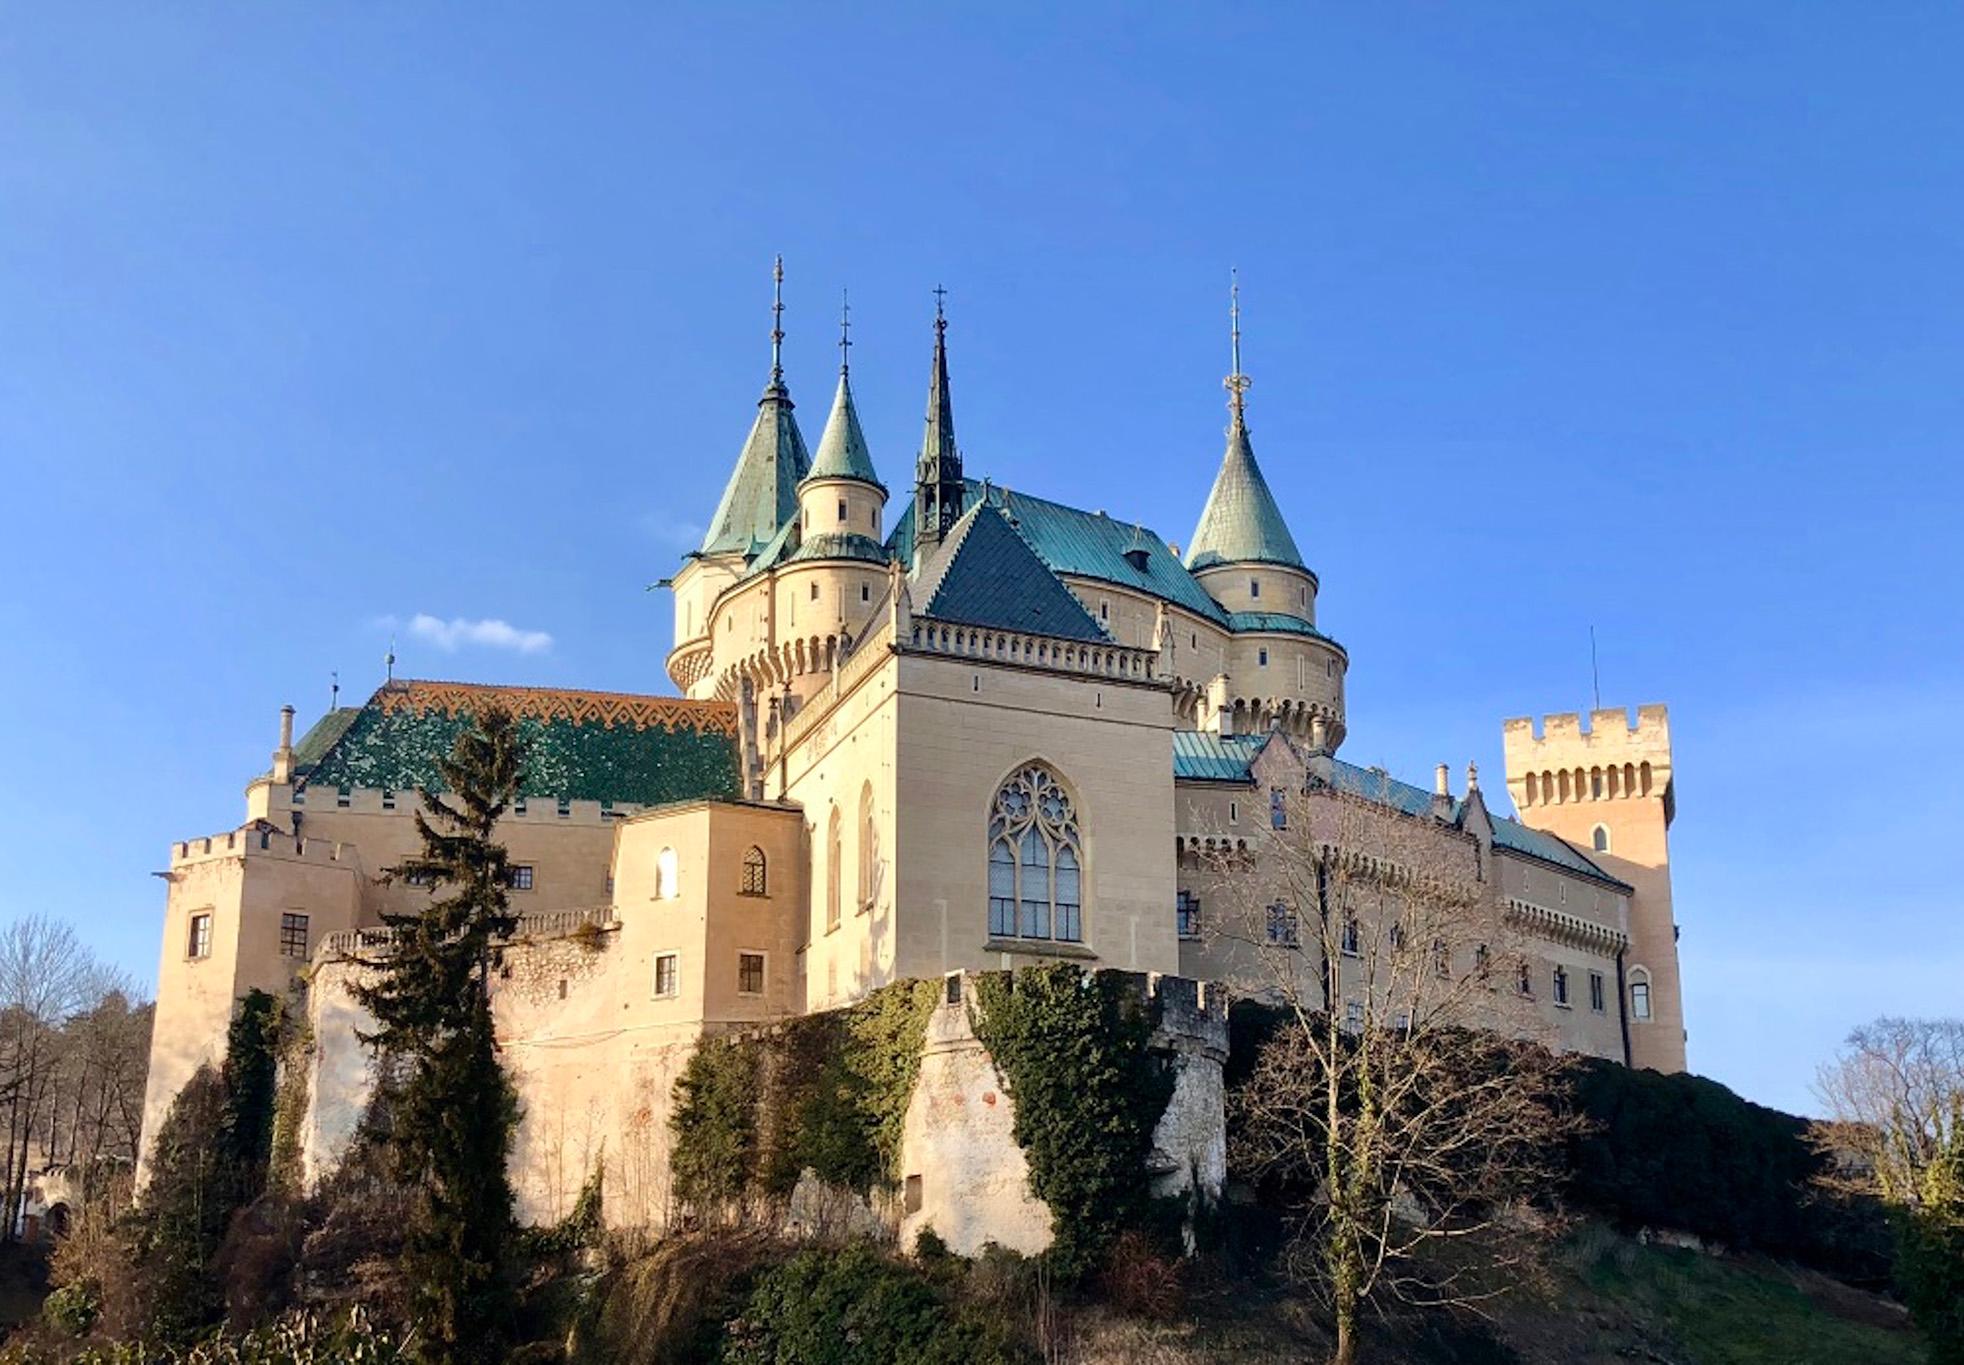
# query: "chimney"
283 756
1472 778
1442 793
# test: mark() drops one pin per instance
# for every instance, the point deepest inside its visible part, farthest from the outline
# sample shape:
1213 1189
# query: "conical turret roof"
762 494
1241 521
842 452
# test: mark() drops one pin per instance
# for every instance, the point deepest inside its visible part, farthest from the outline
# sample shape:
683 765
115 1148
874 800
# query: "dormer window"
1138 559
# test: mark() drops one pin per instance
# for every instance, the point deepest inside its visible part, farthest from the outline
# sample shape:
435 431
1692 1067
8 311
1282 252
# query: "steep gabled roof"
587 746
988 575
1084 544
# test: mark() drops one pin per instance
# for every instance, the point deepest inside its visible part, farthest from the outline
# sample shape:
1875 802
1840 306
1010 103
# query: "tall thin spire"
1236 383
938 488
845 334
777 323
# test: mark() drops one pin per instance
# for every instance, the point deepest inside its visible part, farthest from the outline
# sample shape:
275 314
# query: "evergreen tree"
430 995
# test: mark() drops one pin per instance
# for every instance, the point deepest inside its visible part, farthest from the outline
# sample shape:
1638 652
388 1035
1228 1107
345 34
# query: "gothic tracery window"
1035 860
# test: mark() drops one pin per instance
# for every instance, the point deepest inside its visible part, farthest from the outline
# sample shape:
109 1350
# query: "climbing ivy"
825 1092
1072 1049
290 1097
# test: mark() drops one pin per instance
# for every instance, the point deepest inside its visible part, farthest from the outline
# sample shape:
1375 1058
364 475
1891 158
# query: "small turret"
842 494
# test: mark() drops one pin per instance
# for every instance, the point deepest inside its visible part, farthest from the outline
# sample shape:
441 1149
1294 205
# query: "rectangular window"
1002 891
1353 1015
1278 813
1282 924
419 878
519 878
343 796
814 592
200 941
1560 981
388 799
1351 938
1254 587
865 593
1596 992
750 973
1640 999
666 974
293 935
518 806
1186 914
1261 656
1234 812
1525 980
565 807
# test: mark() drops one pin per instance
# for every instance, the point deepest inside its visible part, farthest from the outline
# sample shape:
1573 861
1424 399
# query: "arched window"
754 882
1639 993
1035 860
1599 838
869 850
667 875
834 850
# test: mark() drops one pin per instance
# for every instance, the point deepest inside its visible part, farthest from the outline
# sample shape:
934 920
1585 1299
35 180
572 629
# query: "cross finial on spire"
1237 382
940 314
777 321
845 333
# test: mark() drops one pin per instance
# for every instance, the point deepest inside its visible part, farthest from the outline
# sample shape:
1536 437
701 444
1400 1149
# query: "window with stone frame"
1186 914
1560 982
519 876
750 973
1036 860
667 968
1282 926
293 935
754 880
199 942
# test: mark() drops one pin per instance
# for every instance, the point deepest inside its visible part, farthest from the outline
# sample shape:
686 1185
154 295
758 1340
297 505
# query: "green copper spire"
842 452
1240 522
762 493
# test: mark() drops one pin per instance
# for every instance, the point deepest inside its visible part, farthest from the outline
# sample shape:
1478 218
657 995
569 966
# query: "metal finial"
940 314
1237 382
845 334
334 690
389 660
777 321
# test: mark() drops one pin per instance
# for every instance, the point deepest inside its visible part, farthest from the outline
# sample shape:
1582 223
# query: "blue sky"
1639 316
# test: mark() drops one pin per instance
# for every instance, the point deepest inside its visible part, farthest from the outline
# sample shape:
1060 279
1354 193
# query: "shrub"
73 1309
854 1307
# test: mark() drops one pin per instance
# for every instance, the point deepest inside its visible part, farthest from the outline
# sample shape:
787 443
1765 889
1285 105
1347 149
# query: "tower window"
1639 993
1261 657
1596 992
1561 985
865 593
1104 611
842 509
199 944
293 935
750 973
1254 587
1599 838
667 875
814 592
666 974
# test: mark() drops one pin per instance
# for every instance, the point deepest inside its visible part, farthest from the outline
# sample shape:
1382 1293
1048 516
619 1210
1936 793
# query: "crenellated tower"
1608 790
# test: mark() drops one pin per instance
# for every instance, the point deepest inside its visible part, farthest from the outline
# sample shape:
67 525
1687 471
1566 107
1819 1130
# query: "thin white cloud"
489 633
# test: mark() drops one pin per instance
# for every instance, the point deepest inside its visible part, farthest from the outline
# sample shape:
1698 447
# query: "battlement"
259 840
1559 761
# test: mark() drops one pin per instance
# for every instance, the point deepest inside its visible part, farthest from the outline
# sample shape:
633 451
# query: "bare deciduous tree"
1402 1096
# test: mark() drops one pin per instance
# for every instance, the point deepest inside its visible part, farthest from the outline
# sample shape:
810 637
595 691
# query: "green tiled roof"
842 452
586 746
835 545
1241 522
988 575
1085 544
762 494
1202 757
1279 622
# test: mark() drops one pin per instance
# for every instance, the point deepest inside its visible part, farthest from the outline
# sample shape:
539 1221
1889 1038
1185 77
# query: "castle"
978 730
